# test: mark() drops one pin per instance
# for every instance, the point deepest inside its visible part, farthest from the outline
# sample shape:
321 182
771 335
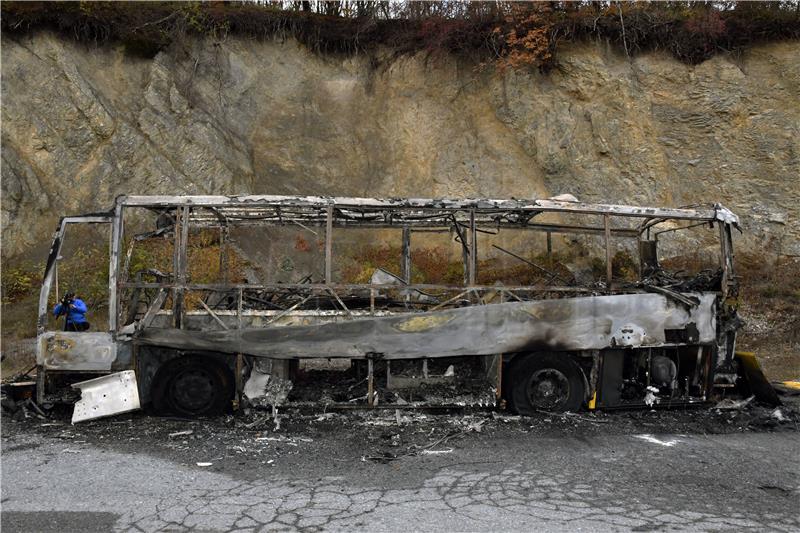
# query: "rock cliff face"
84 124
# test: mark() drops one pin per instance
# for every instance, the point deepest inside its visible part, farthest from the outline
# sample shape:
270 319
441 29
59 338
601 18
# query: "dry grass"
86 273
438 265
770 306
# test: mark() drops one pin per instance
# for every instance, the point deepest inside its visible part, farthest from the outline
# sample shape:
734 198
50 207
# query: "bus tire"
194 385
550 382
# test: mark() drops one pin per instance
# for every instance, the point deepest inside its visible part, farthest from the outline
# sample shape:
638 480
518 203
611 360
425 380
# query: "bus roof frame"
709 212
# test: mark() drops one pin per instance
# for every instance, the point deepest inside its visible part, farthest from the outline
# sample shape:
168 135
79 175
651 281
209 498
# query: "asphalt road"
493 481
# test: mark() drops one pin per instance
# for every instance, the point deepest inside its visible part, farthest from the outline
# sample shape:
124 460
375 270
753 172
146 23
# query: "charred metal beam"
543 205
442 225
473 249
678 297
289 310
406 258
329 245
179 262
152 311
553 275
345 286
213 315
336 296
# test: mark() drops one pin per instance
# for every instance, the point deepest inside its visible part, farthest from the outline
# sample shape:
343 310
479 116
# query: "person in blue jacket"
75 310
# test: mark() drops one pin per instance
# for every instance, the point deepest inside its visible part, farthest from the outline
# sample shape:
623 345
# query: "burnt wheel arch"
544 381
193 385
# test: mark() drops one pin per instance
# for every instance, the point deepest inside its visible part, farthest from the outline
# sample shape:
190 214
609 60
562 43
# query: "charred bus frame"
606 336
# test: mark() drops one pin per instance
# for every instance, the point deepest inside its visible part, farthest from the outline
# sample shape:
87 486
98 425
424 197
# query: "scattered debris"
650 397
728 403
263 388
649 438
238 442
22 409
415 449
257 422
18 389
275 418
506 418
591 418
476 426
778 415
291 441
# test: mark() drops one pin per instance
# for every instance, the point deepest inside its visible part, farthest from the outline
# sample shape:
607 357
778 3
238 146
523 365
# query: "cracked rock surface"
84 123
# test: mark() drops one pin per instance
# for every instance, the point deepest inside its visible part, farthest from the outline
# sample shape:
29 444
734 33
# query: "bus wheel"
193 386
546 382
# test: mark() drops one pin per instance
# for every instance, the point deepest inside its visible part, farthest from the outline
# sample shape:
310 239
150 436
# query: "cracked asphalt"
602 474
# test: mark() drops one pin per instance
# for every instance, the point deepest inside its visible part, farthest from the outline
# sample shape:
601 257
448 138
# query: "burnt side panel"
611 376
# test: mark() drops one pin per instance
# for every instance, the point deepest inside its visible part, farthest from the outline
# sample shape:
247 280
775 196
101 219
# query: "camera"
66 301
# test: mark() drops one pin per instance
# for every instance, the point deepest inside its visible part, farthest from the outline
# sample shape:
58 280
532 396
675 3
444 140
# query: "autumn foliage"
508 34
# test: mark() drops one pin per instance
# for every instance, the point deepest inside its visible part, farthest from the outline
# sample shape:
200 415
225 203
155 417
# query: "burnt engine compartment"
639 377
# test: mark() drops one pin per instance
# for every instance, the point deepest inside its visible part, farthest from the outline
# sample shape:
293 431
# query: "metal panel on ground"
107 395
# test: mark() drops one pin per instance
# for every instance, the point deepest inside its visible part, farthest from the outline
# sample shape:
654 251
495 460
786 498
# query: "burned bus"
534 305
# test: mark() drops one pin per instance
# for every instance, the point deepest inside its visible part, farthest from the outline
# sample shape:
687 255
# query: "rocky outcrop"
82 124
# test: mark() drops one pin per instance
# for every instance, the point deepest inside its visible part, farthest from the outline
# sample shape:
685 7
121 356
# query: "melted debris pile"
705 280
322 387
326 387
462 394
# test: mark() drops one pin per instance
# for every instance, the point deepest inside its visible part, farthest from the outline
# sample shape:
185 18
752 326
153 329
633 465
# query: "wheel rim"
193 390
548 389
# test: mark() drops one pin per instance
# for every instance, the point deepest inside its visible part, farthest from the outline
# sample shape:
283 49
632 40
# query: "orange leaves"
526 37
301 244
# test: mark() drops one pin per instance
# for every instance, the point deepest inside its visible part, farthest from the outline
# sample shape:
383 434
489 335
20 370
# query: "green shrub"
19 281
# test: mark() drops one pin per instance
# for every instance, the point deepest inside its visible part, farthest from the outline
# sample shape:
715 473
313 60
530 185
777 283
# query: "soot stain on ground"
336 443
